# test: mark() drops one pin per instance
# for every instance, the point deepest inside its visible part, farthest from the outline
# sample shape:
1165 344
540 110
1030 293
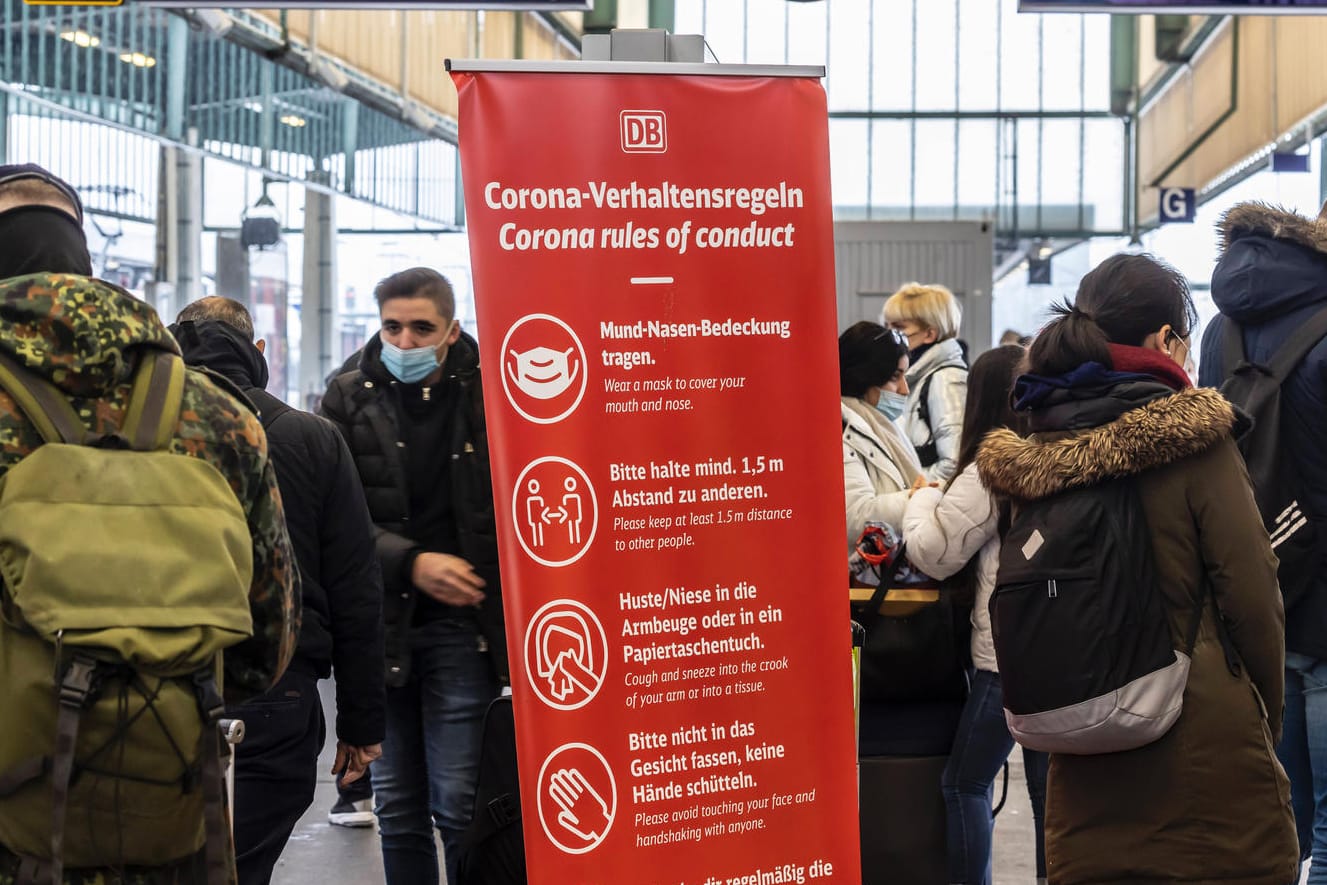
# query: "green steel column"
267 119
4 127
177 76
1123 62
663 14
1322 172
350 142
601 19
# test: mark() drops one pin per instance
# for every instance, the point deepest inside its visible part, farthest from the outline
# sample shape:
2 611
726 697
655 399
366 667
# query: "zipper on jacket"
1052 589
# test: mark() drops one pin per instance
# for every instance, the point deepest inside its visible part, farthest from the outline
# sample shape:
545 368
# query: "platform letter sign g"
644 132
1178 205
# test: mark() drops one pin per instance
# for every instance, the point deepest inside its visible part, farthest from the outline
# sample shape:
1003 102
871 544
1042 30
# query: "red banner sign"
654 275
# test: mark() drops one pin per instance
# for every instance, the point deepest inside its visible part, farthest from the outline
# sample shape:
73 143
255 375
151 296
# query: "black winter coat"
1272 276
364 405
329 530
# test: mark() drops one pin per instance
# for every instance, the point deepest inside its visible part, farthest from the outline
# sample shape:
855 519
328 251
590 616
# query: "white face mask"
542 372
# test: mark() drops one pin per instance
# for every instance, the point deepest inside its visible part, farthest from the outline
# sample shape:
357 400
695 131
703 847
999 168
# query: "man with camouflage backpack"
141 535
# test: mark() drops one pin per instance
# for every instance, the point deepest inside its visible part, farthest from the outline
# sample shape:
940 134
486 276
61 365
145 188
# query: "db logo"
644 132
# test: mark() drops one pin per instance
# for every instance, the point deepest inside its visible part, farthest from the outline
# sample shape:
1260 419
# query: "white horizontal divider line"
651 281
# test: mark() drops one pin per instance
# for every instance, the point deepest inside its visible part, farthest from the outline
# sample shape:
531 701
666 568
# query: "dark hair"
869 355
1121 301
418 282
223 310
990 381
988 408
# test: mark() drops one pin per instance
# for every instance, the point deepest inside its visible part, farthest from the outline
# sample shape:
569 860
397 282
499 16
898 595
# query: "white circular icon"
566 654
577 798
543 368
554 510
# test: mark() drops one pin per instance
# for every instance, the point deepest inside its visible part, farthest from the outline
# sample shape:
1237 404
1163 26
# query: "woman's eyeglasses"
899 337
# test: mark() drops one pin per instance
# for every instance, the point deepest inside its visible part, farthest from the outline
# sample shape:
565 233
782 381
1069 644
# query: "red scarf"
1149 362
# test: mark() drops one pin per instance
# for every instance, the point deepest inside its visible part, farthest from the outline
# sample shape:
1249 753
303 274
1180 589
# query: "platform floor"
321 854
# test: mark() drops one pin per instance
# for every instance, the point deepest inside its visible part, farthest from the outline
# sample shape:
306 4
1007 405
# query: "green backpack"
126 573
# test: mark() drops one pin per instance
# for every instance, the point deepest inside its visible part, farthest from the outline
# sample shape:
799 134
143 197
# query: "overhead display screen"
1189 7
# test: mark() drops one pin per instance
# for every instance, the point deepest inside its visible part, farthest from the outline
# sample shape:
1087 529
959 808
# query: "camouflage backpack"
126 572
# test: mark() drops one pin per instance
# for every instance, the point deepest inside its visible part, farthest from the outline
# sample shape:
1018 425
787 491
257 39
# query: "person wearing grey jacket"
938 375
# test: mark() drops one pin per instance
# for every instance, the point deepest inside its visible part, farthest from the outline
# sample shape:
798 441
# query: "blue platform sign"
1290 161
1179 205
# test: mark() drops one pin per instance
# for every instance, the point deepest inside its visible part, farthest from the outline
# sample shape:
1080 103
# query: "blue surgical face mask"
891 404
409 366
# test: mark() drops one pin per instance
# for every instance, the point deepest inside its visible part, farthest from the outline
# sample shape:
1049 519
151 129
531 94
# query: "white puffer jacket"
943 531
947 396
879 467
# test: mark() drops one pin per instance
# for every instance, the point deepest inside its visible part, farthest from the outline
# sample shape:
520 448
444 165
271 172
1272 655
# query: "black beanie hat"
19 171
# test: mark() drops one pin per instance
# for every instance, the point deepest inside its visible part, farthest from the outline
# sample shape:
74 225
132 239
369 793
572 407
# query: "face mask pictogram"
542 372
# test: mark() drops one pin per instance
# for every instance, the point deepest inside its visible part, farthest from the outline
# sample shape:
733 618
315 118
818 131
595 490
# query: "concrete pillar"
179 229
318 307
189 224
180 205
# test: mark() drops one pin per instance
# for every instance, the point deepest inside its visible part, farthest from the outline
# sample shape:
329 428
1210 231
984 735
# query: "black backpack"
1256 389
492 850
1087 660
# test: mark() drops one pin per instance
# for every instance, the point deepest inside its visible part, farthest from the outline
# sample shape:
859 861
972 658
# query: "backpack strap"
1288 356
78 689
154 401
1298 345
924 403
149 423
45 405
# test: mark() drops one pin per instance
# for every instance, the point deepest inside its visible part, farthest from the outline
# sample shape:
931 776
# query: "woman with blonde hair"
938 378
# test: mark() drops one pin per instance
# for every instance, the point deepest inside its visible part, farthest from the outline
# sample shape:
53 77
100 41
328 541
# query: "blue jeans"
430 759
981 747
1303 754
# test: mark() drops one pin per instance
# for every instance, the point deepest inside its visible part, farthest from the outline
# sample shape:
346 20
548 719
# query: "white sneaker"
351 814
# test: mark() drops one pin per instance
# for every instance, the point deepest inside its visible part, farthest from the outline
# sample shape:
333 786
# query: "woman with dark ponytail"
1108 400
947 532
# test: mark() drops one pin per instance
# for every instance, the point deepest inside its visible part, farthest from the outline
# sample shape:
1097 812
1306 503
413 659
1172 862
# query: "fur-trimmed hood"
1254 219
1161 432
1273 262
1264 219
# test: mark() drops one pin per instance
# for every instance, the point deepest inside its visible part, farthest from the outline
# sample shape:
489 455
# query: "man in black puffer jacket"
276 764
413 415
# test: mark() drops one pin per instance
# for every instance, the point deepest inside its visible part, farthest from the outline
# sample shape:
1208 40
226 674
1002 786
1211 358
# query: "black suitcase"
493 847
